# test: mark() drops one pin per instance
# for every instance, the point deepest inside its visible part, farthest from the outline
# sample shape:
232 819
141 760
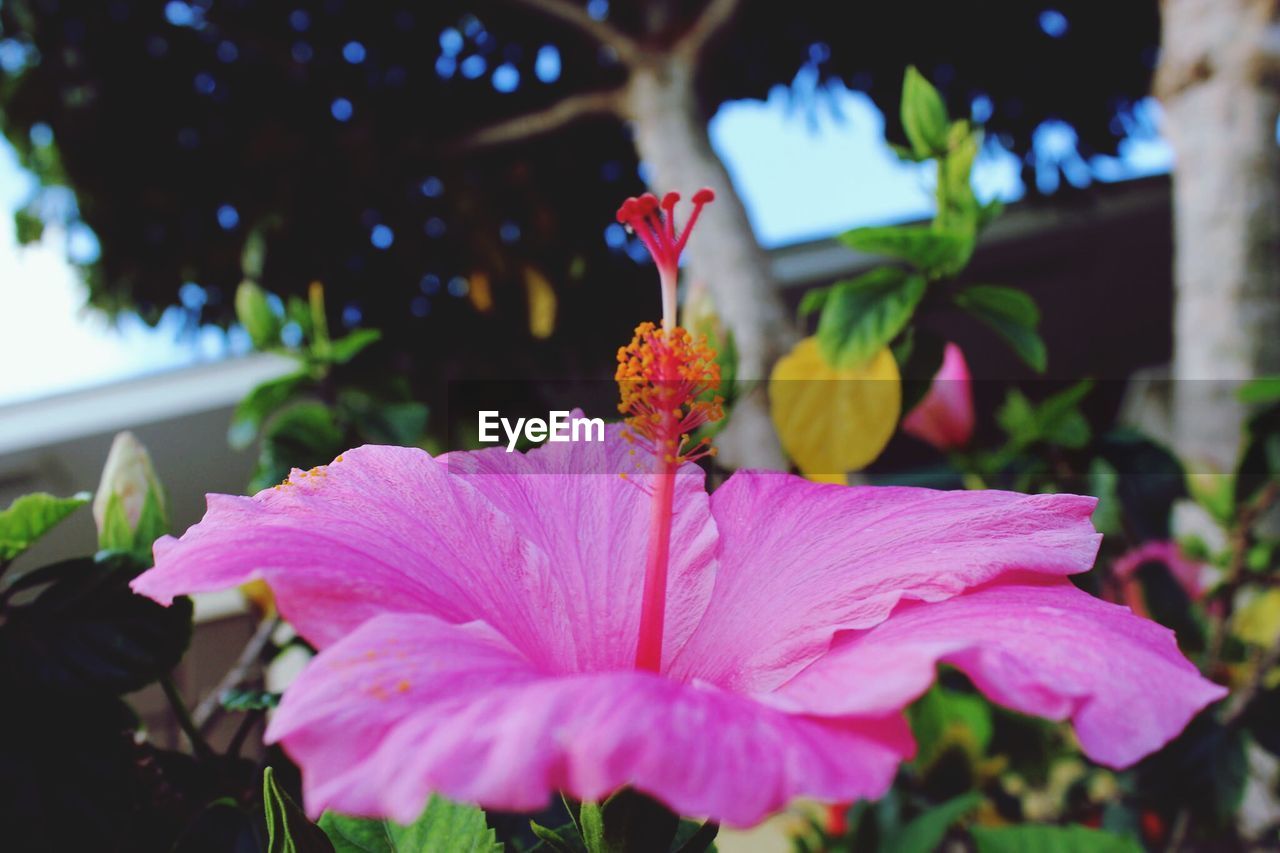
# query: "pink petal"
384 529
570 500
800 561
409 705
1036 645
489 535
944 417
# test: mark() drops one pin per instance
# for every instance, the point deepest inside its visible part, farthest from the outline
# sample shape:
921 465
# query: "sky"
802 177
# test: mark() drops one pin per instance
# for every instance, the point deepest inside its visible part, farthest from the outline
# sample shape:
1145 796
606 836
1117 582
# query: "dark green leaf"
1051 839
932 251
563 840
863 315
288 830
32 516
255 314
919 356
944 718
223 827
925 833
635 823
442 826
302 436
346 348
259 405
88 632
924 115
1012 314
249 700
394 423
695 837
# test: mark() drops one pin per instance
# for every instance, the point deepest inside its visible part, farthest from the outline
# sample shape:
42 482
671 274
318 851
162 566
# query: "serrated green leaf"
925 833
1013 315
288 830
932 251
924 115
443 825
346 348
863 315
32 516
1051 839
259 405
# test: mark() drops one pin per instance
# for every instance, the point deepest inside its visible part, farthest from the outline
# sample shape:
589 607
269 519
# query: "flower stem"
183 717
653 608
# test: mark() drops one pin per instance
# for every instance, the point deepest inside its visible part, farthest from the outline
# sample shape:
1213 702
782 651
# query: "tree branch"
627 48
539 122
714 18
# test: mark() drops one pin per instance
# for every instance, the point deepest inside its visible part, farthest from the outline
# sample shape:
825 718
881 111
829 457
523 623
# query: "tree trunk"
671 138
1218 83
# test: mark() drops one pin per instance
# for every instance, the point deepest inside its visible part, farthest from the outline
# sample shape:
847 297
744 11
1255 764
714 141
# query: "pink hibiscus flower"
944 416
498 627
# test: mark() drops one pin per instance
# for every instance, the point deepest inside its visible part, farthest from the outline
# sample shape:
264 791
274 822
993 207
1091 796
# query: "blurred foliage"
884 316
332 402
324 129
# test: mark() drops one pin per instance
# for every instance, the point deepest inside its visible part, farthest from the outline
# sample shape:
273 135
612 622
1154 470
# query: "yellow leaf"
1258 622
480 292
542 303
833 420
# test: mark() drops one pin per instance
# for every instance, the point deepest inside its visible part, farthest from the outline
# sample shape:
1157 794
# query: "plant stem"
211 705
183 716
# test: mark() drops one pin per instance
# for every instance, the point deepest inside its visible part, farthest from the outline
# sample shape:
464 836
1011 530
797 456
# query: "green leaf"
562 840
346 348
635 823
863 315
813 300
925 833
302 436
924 115
248 699
259 405
1012 314
394 423
255 314
288 830
88 633
32 516
932 251
442 826
942 719
695 837
1056 421
1265 389
919 356
1051 839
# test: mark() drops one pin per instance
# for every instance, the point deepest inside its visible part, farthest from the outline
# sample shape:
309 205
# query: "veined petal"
408 705
1036 645
800 561
383 529
571 500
